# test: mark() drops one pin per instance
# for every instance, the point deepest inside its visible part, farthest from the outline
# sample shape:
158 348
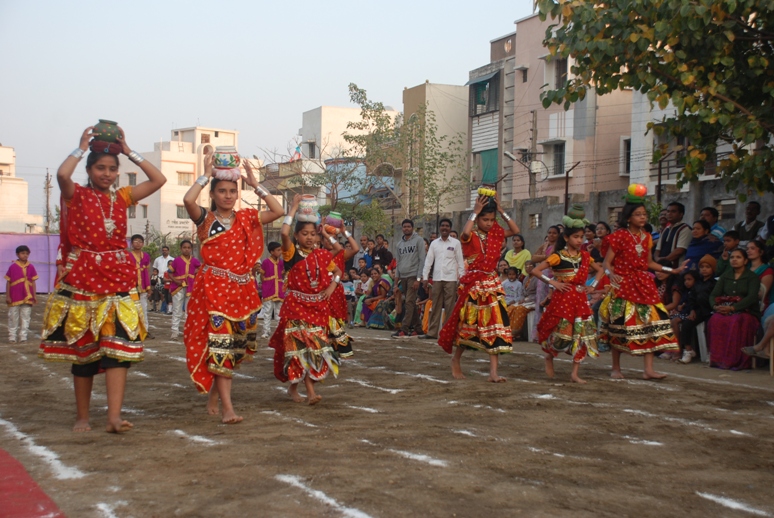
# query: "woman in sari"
379 304
479 320
221 326
756 253
94 319
737 314
517 257
302 350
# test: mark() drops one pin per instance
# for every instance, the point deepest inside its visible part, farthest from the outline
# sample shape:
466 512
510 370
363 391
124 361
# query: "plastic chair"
701 339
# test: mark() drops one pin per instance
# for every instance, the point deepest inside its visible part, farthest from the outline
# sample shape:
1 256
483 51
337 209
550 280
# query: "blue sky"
251 66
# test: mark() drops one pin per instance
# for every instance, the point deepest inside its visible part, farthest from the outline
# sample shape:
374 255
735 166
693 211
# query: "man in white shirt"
445 258
161 263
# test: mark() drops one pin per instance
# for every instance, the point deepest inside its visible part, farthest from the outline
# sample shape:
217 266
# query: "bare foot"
457 369
313 400
231 418
653 375
616 375
550 367
577 379
496 379
293 393
213 410
82 425
118 426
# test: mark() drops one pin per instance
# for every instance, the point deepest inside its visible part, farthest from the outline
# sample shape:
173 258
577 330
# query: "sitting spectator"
669 292
377 308
588 245
502 269
362 291
749 227
517 257
699 304
761 349
603 238
761 268
737 312
730 243
675 238
349 294
362 267
711 216
514 289
686 283
701 244
518 312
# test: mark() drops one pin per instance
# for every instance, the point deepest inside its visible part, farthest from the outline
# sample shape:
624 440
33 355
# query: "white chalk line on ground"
198 439
366 384
364 409
682 421
289 418
467 433
107 509
61 471
635 440
478 406
318 495
732 504
419 457
559 455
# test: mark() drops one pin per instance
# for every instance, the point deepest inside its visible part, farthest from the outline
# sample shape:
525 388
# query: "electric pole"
533 155
47 188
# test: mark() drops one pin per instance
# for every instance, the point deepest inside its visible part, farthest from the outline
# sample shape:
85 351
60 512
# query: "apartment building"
14 198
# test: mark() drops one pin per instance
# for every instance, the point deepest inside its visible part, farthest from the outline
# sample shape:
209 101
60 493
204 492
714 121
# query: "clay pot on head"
307 209
334 219
225 157
106 131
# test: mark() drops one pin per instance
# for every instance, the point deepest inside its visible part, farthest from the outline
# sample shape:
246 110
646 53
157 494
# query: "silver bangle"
472 216
594 283
607 272
666 269
261 191
288 221
545 278
135 157
337 279
505 216
203 181
347 234
78 153
332 240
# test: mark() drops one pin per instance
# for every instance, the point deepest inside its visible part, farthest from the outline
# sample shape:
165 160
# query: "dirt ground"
396 436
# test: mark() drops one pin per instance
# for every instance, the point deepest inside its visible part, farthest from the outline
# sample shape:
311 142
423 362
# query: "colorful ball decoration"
639 190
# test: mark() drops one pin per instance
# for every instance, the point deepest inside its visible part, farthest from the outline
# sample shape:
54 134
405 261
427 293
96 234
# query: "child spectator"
272 288
670 293
730 242
514 289
157 285
20 294
349 294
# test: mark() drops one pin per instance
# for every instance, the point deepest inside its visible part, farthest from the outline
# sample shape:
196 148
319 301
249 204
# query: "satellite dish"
539 169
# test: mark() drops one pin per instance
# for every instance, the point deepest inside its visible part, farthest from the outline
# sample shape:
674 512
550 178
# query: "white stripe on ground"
318 495
61 471
288 418
420 457
366 384
733 504
465 432
671 419
478 406
635 440
363 408
107 509
196 438
178 359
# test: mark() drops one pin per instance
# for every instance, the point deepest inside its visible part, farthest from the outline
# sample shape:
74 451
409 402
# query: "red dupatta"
485 264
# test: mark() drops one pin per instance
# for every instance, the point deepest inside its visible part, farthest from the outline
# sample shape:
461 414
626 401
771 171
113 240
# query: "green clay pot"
107 131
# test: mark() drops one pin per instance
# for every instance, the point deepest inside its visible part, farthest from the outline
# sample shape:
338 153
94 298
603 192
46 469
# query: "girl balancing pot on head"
479 319
340 340
632 317
302 351
94 318
567 325
221 326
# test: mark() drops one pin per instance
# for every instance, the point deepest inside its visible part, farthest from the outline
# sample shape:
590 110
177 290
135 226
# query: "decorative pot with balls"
226 157
106 131
487 190
334 219
307 209
637 189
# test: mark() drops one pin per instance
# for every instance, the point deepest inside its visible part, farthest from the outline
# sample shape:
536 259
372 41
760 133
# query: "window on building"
181 212
184 178
489 165
216 134
312 153
484 96
557 154
131 178
726 209
534 220
613 215
144 211
524 75
560 73
205 138
131 211
627 157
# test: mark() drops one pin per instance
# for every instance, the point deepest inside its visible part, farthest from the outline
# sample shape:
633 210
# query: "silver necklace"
110 223
226 222
638 244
